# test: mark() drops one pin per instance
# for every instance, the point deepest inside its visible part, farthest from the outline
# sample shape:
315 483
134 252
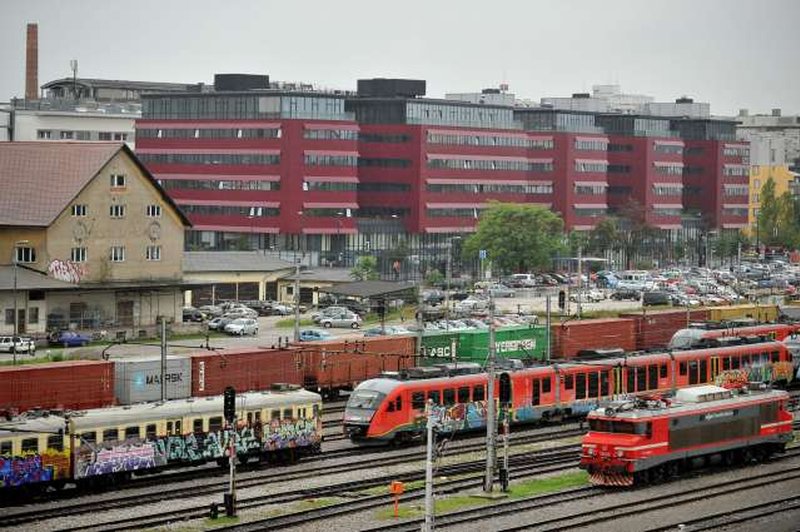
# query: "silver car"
242 326
350 320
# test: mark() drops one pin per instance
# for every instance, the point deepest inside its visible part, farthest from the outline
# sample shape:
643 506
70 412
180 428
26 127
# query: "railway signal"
229 411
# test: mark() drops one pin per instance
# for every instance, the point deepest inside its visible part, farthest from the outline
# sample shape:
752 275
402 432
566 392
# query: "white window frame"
116 254
117 211
44 134
153 253
118 180
153 211
79 210
78 254
25 254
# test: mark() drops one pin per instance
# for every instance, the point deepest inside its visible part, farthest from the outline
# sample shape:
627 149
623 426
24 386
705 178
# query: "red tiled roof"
39 179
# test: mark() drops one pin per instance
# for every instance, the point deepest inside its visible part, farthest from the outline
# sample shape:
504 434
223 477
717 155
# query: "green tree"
605 235
434 278
578 240
517 237
366 269
768 214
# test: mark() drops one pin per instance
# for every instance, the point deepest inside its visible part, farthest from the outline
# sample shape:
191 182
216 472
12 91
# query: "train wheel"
671 470
728 458
657 475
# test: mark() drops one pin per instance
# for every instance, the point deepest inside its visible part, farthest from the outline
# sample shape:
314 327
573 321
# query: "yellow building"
759 174
92 216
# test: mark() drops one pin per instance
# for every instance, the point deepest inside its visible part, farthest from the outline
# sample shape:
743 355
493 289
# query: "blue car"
69 339
314 335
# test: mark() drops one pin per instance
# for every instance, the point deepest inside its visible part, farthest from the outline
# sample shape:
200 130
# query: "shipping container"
760 313
654 329
570 337
138 380
528 343
70 385
246 369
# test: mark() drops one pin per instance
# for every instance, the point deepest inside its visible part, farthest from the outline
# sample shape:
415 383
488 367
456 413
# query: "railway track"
262 477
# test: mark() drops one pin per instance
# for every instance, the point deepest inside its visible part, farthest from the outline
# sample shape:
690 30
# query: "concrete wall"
28 122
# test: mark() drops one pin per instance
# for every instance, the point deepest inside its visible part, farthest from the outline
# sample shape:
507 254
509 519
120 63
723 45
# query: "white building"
780 134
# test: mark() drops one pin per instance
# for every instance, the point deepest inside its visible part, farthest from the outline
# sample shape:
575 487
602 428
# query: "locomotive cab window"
55 442
418 400
620 427
30 445
463 394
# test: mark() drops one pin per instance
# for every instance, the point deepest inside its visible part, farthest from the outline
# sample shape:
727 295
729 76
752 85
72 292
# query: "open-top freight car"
636 442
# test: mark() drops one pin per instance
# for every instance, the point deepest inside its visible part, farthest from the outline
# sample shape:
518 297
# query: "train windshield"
618 427
365 399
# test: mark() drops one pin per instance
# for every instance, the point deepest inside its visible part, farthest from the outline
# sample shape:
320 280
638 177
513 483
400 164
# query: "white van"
523 280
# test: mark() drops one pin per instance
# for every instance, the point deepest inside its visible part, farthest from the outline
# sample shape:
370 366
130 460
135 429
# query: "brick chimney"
32 63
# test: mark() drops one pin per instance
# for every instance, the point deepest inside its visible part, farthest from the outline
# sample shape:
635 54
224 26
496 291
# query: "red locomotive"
385 410
638 442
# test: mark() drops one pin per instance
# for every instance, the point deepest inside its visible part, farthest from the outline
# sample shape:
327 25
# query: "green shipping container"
525 343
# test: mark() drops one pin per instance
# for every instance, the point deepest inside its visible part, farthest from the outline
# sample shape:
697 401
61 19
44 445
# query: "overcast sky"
731 53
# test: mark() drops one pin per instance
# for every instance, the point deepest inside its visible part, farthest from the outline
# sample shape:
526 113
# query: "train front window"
365 399
619 427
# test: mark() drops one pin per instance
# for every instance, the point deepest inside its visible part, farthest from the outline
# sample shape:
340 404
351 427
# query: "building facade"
107 229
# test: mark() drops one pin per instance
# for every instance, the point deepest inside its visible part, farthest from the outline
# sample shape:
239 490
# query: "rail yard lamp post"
15 260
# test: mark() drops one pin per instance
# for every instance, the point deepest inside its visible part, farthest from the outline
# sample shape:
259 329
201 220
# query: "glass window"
276 414
153 253
368 399
131 432
116 211
580 386
449 397
153 211
25 254
546 385
30 445
117 254
197 426
5 448
117 180
215 424
418 400
110 435
693 372
55 442
78 254
593 384
435 396
463 394
150 431
79 210
682 368
478 393
569 382
652 377
662 371
287 413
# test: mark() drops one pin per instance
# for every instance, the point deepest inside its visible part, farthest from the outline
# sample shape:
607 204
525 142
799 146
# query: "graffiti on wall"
66 270
33 468
461 416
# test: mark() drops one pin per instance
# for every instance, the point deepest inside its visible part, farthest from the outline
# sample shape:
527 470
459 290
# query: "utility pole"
491 411
16 313
580 278
420 324
297 301
163 358
447 287
429 502
548 322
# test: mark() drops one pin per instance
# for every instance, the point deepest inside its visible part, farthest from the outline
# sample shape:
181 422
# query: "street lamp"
448 269
14 257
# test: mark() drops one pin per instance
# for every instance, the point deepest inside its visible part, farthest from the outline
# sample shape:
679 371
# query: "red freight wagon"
572 336
342 364
654 329
246 369
70 385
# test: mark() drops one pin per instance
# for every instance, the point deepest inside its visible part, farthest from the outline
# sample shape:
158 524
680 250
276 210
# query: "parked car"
388 330
211 311
500 290
69 339
588 296
656 298
192 314
242 326
523 280
241 312
350 319
218 324
623 294
329 312
22 344
281 309
314 335
471 304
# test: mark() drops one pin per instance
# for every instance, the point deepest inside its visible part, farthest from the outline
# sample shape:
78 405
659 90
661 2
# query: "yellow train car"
759 313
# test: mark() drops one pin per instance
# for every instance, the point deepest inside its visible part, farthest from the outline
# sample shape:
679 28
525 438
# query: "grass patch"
289 322
548 485
442 506
383 490
222 520
23 359
310 504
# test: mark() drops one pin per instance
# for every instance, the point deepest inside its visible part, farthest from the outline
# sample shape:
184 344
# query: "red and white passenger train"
637 442
387 410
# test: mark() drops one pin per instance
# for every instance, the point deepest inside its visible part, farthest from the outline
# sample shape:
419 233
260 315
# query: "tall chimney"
32 63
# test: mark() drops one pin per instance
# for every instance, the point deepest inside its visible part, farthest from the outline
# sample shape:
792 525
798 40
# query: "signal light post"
229 411
491 410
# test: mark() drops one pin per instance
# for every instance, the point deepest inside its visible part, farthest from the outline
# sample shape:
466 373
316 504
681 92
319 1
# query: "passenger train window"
215 424
593 385
89 438
169 427
197 426
449 397
5 447
478 393
131 432
435 396
704 371
463 394
55 442
316 410
257 415
652 377
569 382
682 368
604 376
110 435
641 379
276 414
150 432
249 418
30 445
631 380
178 429
776 356
418 400
580 386
735 362
662 371
745 360
287 413
546 385
693 372
726 363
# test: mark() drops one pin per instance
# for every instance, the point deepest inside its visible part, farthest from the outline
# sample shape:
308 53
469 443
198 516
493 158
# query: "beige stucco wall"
98 232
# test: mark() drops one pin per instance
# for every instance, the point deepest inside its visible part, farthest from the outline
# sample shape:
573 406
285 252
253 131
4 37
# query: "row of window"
669 169
208 133
590 190
590 166
32 316
326 186
383 162
311 159
588 211
735 211
736 151
737 190
453 213
118 210
735 170
209 158
667 189
49 134
667 211
485 188
591 144
490 164
237 210
115 253
218 184
445 397
491 140
672 149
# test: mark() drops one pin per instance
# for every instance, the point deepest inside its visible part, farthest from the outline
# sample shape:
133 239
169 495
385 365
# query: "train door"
536 393
715 368
618 381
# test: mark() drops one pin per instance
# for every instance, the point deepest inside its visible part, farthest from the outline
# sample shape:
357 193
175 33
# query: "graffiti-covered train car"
96 446
522 342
